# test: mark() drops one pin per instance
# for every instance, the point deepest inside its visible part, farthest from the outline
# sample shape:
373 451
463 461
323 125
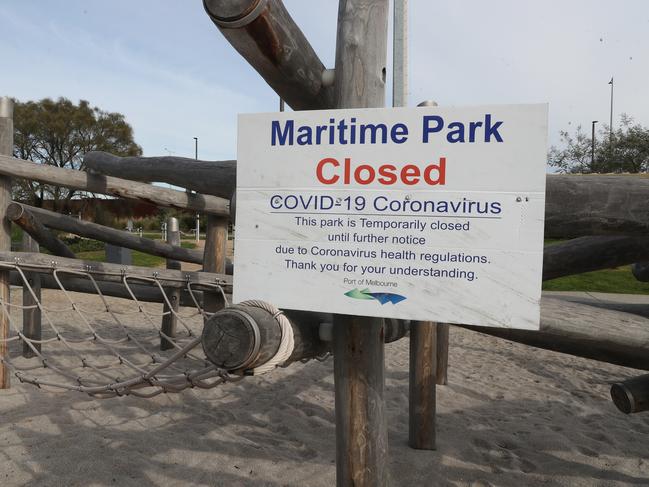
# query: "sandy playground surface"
510 416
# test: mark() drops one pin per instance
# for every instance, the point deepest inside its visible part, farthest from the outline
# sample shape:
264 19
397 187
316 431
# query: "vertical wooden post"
169 321
31 316
359 368
361 423
442 353
216 241
6 148
423 365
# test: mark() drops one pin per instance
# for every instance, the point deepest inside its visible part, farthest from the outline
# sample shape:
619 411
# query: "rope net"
106 346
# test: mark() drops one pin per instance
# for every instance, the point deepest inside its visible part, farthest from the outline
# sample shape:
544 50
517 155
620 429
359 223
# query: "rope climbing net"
106 346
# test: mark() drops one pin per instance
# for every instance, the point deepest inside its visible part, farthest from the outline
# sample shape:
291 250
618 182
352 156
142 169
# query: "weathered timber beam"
30 224
631 395
264 33
640 270
144 293
217 178
578 205
586 331
588 254
103 271
108 185
121 238
243 337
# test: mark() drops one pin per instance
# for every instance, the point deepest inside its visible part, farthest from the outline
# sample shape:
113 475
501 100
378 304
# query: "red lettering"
410 174
441 173
370 174
333 179
387 173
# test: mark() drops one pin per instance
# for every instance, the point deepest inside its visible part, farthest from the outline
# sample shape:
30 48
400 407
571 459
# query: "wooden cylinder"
640 271
214 258
421 399
361 426
631 395
169 321
244 336
112 236
216 178
442 330
24 218
359 367
6 149
108 185
264 33
32 318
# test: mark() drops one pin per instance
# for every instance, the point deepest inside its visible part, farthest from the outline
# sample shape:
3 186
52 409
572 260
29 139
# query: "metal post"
592 147
400 54
6 148
610 128
198 227
169 320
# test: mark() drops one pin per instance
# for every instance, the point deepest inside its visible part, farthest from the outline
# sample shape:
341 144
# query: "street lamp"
592 148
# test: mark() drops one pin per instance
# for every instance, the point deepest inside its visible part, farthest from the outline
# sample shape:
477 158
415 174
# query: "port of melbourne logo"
380 297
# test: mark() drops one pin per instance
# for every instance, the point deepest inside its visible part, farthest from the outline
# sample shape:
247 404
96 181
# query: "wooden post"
31 316
216 241
423 366
361 423
442 353
6 148
264 33
359 368
169 320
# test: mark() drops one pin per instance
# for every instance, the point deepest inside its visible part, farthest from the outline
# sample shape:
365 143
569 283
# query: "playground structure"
197 340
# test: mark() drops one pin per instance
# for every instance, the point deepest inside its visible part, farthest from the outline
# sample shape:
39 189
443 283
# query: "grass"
138 258
618 280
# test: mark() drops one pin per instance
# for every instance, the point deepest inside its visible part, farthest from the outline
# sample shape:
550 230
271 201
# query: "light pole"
610 128
592 148
198 218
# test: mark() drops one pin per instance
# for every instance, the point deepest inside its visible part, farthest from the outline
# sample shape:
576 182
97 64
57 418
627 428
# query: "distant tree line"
59 133
625 150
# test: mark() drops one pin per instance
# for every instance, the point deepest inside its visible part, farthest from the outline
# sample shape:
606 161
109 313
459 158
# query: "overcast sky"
166 67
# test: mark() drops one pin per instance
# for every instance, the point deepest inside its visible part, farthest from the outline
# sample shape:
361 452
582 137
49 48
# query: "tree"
625 150
59 133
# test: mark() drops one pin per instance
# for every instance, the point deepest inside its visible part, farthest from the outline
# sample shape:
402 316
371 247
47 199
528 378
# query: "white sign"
425 213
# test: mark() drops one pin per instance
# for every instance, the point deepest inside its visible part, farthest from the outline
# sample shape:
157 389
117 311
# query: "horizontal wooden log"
578 205
640 270
586 331
26 220
112 186
264 33
217 178
632 395
102 271
143 292
588 254
244 337
110 235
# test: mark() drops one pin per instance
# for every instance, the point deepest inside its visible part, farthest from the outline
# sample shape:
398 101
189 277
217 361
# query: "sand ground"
510 416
